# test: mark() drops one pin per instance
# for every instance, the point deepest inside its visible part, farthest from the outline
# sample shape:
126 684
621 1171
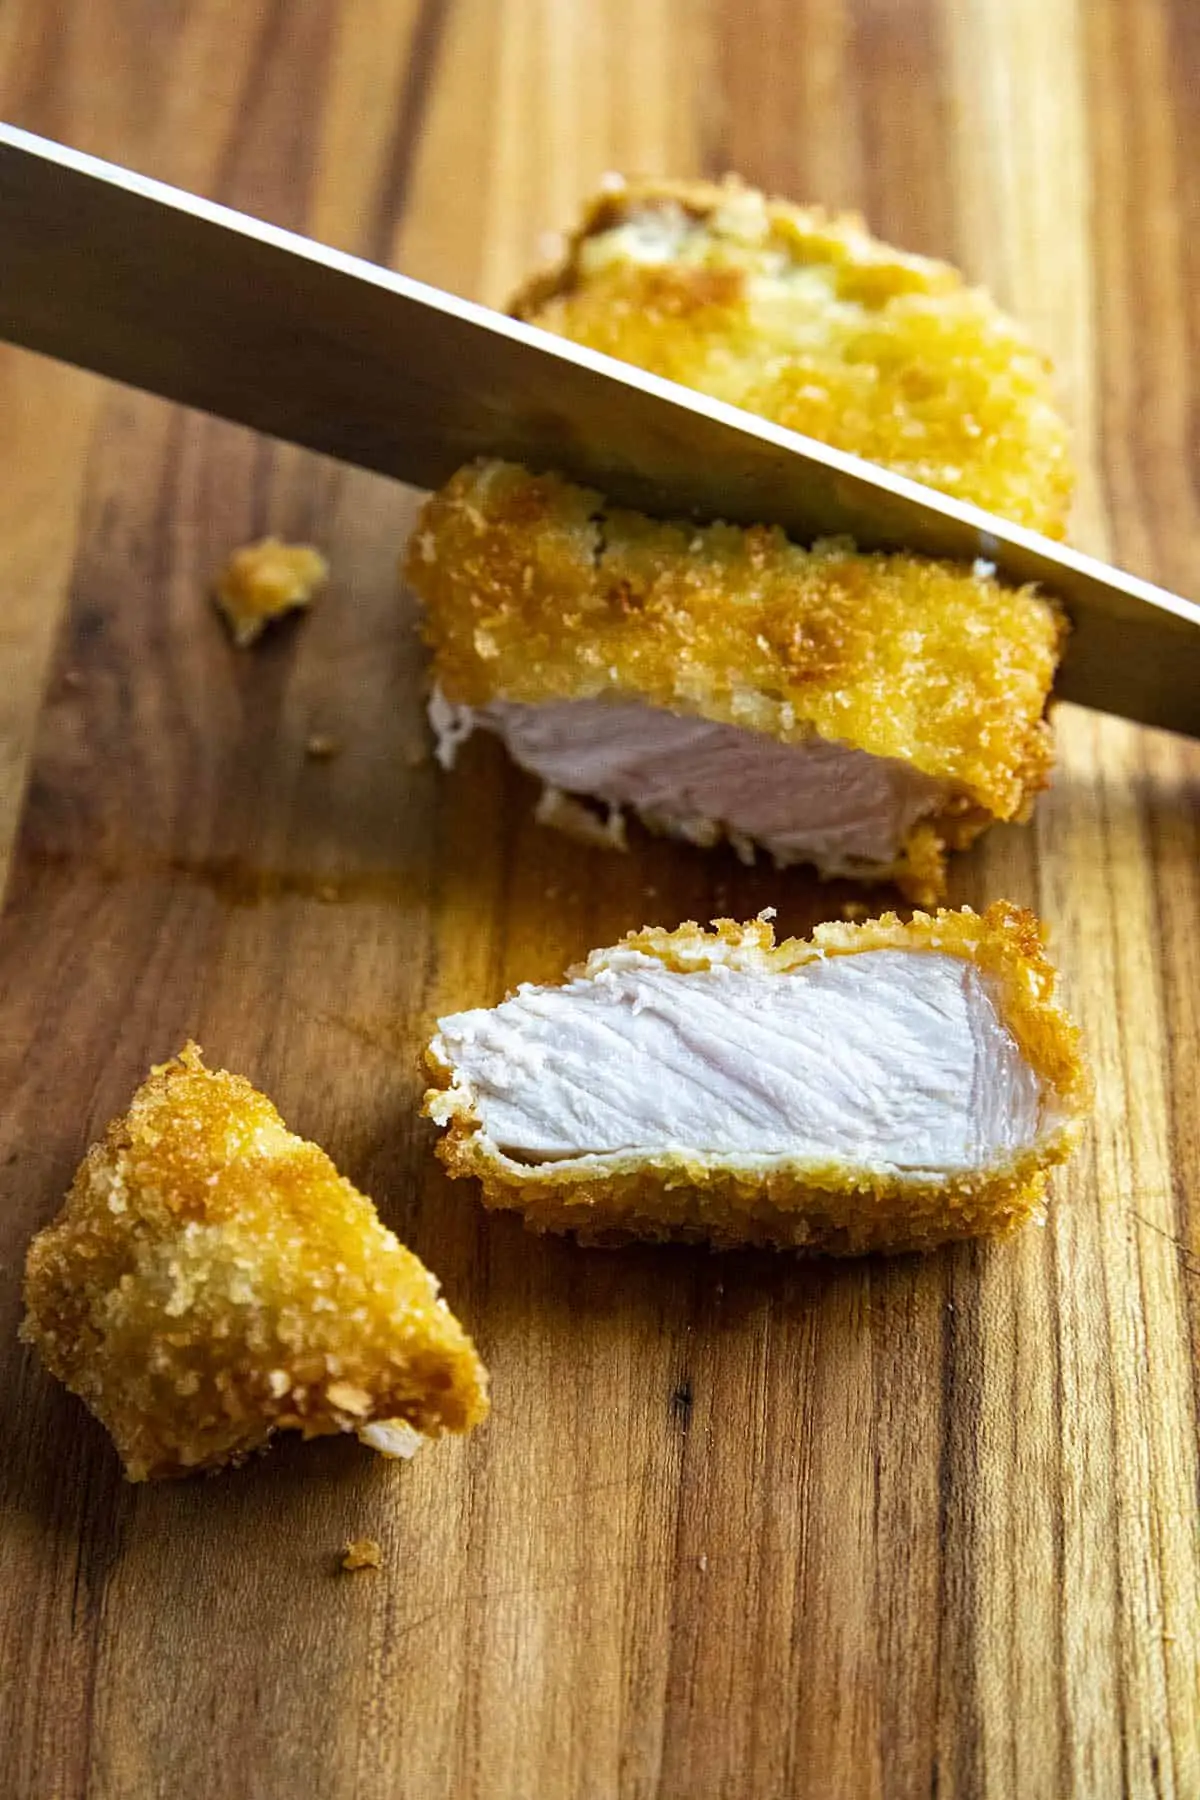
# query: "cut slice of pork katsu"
885 1086
861 713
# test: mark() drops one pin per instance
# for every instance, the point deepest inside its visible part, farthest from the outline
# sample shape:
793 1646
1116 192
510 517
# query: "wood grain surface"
739 1526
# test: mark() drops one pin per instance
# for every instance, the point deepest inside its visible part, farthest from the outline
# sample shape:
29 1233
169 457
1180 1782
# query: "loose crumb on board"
362 1553
320 747
262 581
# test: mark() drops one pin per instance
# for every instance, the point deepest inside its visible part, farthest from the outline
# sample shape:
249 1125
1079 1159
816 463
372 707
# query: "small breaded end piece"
261 582
537 592
804 318
882 1087
212 1279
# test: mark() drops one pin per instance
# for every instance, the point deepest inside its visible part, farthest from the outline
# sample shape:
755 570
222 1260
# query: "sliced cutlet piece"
805 318
212 1279
886 1086
862 713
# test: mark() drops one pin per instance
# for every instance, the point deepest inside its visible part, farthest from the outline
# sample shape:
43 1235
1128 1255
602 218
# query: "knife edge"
189 299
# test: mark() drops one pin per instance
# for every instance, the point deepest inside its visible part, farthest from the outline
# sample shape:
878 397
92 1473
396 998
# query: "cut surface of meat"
845 811
893 1060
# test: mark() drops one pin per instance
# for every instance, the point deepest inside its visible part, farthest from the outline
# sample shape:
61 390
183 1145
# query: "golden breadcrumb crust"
212 1279
804 318
831 1208
263 581
536 590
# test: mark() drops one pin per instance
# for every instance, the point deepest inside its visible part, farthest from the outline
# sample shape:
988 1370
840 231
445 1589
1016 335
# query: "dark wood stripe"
420 76
898 55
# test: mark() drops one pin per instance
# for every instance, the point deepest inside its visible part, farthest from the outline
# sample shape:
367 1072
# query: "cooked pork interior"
843 809
891 1060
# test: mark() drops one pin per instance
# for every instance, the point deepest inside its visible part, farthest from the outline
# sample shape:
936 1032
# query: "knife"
155 287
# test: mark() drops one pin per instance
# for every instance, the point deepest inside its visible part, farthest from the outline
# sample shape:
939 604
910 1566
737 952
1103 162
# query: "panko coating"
212 1279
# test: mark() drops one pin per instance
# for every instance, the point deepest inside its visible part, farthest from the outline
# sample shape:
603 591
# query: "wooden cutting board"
738 1526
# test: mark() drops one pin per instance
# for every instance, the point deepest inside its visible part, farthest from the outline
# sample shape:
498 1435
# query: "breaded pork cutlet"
862 713
212 1279
805 318
885 1086
859 713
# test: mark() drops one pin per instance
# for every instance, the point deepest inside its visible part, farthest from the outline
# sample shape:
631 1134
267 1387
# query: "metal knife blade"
151 286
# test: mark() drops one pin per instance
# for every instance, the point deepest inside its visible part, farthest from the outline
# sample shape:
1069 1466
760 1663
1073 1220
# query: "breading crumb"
319 747
362 1553
263 581
392 1438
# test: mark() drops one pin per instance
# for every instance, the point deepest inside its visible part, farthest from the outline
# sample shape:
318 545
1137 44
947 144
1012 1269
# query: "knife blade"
187 299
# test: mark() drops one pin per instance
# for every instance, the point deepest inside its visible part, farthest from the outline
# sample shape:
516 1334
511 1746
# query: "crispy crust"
851 341
212 1279
776 1200
535 590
